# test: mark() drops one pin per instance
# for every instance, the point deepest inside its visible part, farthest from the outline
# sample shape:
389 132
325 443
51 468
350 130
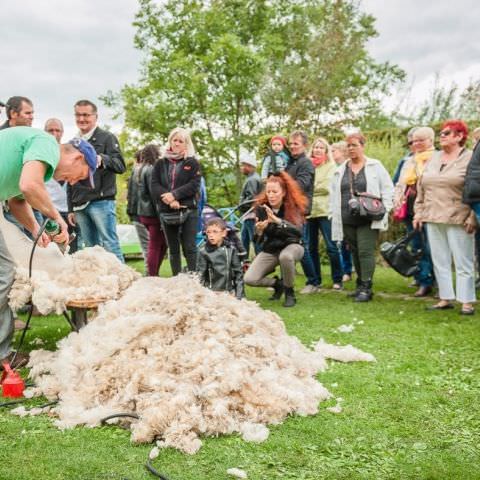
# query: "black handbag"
363 204
398 255
174 218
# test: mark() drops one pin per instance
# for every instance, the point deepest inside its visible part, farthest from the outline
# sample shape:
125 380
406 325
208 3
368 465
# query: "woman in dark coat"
175 187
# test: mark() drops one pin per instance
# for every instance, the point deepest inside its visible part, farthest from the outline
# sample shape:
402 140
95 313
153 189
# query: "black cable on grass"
13 402
104 421
49 404
30 310
156 473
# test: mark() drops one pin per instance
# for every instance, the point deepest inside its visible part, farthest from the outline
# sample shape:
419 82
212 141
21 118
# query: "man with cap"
251 188
28 158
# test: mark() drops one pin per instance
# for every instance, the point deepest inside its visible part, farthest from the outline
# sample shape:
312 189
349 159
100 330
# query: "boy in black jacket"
218 265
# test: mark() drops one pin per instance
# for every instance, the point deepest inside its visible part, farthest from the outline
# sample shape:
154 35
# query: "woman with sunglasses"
450 224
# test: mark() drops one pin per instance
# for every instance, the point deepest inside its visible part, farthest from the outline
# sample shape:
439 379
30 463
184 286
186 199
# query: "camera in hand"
261 213
354 207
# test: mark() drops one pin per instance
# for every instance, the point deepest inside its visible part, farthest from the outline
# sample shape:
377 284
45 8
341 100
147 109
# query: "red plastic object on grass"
12 383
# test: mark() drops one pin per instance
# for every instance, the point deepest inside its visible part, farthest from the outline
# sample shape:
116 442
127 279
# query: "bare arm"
33 189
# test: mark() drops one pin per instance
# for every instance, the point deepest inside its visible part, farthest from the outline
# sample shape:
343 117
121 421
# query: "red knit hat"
281 139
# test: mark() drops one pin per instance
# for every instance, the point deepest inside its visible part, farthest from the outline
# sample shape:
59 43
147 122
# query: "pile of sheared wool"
188 361
92 273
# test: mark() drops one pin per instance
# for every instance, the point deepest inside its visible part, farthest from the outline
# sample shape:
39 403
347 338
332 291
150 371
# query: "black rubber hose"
153 471
103 421
49 404
13 402
30 312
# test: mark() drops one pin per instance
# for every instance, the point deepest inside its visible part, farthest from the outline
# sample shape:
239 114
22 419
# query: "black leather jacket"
219 269
139 200
106 145
276 237
301 169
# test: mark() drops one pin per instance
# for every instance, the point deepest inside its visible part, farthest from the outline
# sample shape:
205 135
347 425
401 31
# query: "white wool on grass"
188 361
336 409
254 432
154 453
91 273
346 328
237 472
346 353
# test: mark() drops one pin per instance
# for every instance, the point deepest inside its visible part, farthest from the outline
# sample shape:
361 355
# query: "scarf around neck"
174 156
317 161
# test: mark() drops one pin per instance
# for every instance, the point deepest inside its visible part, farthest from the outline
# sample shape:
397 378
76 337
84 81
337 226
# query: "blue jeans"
324 225
247 233
424 275
307 263
98 226
10 217
346 258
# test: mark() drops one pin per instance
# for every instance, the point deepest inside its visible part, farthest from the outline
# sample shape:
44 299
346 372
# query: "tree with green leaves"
231 70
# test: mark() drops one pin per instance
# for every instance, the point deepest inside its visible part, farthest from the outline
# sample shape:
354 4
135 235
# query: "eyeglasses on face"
445 133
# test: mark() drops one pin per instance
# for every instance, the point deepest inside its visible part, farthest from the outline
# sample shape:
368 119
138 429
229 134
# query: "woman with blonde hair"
175 186
339 152
318 220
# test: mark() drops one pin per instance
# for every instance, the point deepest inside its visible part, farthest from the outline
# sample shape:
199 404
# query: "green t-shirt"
19 145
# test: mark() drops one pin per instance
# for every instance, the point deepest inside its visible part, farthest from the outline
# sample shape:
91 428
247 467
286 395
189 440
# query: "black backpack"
400 257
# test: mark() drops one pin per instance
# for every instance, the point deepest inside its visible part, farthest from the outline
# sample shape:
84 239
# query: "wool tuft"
237 472
189 362
346 353
91 273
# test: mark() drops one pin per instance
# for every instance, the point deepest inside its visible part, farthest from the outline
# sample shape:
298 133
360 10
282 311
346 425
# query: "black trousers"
184 235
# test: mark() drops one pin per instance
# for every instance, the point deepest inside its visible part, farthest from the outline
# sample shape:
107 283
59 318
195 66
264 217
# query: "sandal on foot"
447 306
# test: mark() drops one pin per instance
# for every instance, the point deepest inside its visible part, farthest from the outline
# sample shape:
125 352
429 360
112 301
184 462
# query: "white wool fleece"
190 362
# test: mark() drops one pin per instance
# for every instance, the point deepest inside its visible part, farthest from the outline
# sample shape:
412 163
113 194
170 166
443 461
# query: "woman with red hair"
450 223
278 227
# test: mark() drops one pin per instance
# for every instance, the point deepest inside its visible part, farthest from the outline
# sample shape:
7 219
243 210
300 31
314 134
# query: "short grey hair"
411 132
426 132
51 120
301 134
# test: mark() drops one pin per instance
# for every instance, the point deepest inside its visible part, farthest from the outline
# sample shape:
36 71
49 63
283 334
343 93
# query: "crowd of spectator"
302 193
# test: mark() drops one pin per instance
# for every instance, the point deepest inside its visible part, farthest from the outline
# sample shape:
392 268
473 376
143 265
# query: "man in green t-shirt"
28 158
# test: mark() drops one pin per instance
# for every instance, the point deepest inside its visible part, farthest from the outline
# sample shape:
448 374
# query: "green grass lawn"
413 414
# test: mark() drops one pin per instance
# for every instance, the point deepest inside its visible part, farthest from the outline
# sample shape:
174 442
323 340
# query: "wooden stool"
79 309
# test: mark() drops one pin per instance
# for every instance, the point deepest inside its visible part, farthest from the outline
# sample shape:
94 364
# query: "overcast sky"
59 51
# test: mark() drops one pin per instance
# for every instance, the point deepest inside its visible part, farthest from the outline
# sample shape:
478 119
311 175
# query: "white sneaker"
309 289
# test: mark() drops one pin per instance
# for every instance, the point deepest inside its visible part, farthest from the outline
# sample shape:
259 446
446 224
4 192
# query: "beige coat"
321 189
439 192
